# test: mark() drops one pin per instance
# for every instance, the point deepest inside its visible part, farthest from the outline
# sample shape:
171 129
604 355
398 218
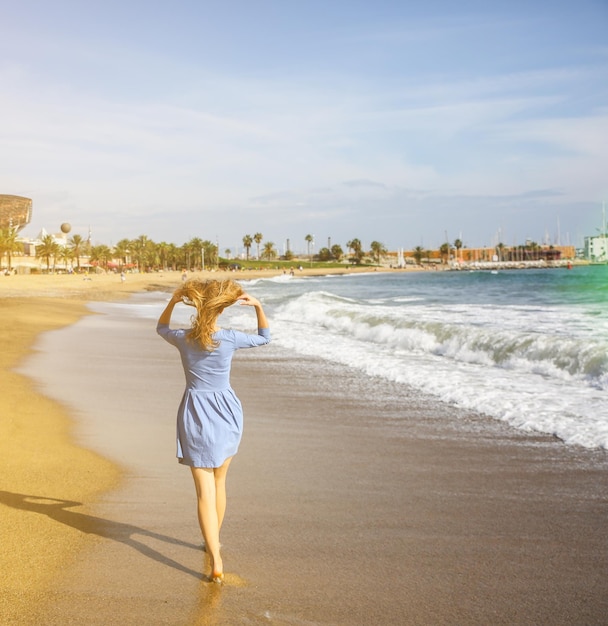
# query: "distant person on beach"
210 416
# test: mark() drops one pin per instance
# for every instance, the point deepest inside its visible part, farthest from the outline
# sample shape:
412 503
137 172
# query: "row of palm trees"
445 251
269 252
141 253
335 253
144 254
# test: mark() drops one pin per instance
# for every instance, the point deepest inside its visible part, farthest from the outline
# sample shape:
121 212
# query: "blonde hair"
210 298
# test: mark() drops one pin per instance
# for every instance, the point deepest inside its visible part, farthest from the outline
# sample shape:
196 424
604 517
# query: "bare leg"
219 474
210 486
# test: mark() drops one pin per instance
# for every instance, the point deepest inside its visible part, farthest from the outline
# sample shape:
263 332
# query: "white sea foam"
281 278
506 369
517 357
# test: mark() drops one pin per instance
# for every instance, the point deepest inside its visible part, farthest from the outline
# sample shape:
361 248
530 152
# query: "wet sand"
350 502
41 469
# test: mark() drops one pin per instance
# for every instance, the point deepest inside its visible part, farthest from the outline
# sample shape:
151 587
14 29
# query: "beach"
350 501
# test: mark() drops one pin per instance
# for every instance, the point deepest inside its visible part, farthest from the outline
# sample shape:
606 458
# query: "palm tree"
357 250
534 249
162 251
458 245
150 253
210 252
122 250
47 249
309 239
65 254
377 250
269 251
197 246
418 252
101 255
9 244
337 252
173 254
183 256
76 244
143 250
247 241
258 240
324 254
444 251
137 250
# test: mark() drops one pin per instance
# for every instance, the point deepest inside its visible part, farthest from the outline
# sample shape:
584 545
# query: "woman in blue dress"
210 416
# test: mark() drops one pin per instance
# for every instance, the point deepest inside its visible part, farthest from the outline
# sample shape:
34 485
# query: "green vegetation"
144 255
280 264
9 244
49 249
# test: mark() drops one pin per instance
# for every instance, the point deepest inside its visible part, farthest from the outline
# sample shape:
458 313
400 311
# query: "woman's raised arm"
259 311
165 316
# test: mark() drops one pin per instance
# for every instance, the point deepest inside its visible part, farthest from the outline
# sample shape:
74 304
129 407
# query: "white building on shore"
596 249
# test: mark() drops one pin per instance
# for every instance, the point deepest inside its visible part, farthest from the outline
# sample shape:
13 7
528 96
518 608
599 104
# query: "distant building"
15 211
515 254
596 248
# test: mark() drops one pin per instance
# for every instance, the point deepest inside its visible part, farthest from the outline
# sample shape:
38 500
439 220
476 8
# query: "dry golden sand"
37 456
107 287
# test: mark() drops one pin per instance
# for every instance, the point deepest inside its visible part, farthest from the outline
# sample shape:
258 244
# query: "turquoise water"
529 347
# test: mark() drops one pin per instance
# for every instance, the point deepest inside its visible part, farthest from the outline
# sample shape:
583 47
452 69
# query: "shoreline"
464 523
108 286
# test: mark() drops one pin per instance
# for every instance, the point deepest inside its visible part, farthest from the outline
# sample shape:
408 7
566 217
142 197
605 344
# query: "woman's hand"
259 311
249 300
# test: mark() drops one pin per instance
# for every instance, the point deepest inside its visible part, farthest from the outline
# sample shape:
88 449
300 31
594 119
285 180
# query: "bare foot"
217 570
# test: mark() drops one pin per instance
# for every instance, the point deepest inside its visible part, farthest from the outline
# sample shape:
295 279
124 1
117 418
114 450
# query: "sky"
406 123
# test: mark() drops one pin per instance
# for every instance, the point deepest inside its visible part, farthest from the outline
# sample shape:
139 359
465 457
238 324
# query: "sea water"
529 347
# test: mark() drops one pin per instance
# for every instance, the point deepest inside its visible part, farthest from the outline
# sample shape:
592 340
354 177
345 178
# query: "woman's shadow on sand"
59 510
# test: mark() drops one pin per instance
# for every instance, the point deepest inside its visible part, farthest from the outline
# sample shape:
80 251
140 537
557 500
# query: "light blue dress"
210 416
